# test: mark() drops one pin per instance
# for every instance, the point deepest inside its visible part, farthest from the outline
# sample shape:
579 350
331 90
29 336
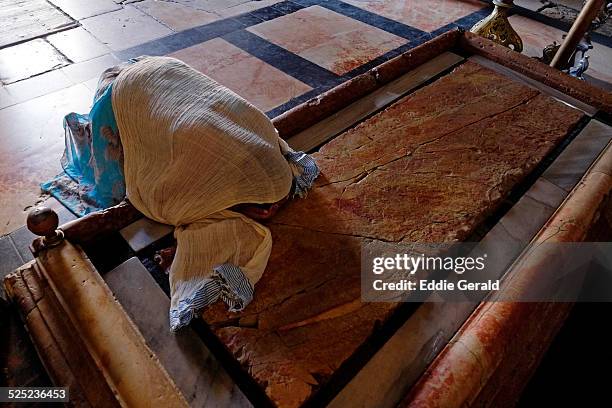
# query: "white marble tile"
28 59
125 28
144 232
79 9
78 45
39 85
87 70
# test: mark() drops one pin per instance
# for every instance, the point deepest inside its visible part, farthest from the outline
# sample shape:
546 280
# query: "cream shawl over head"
193 149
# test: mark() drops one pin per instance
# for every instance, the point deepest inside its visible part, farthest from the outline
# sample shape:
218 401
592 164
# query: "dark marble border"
372 19
465 22
301 69
200 34
393 27
233 30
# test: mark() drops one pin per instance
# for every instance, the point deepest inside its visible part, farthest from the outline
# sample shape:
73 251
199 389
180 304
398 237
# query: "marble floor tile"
32 143
525 218
6 98
537 35
78 45
176 16
125 28
424 15
26 19
258 82
9 258
92 84
79 9
34 87
573 162
328 39
88 70
575 4
546 193
245 7
600 59
144 232
211 5
27 59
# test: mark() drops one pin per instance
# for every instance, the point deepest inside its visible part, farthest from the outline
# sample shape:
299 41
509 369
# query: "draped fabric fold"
193 149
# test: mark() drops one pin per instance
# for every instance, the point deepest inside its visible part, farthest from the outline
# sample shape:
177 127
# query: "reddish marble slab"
328 39
424 15
431 168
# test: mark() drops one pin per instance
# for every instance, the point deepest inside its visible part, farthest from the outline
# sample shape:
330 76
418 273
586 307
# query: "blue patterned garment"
93 160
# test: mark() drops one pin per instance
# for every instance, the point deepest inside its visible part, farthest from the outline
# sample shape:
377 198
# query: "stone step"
191 365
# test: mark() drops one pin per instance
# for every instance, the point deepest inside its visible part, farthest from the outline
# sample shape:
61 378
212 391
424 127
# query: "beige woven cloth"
193 149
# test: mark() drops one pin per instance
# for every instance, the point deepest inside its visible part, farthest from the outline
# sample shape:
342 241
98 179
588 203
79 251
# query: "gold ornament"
496 27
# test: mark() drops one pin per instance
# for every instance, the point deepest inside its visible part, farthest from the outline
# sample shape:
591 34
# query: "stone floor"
276 54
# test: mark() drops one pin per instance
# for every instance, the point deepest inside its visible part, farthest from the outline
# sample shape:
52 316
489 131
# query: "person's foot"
259 212
164 258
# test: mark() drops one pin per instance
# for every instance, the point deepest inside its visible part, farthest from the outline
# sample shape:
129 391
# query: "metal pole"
579 28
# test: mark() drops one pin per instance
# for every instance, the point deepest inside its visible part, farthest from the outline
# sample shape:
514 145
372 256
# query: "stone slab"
329 127
430 168
395 368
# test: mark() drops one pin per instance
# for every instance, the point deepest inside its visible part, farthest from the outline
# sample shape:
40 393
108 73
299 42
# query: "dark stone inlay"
375 20
292 103
22 238
465 22
287 7
9 258
200 34
284 60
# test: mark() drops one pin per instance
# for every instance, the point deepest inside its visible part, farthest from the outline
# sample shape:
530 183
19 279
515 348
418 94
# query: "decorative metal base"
548 53
496 27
